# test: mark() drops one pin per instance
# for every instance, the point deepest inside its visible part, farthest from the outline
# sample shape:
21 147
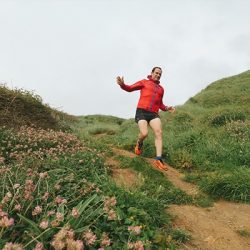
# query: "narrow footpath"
213 228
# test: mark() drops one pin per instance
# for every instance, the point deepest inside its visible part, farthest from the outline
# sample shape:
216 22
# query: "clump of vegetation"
224 117
244 233
55 189
210 133
36 143
20 107
181 236
231 186
56 193
66 199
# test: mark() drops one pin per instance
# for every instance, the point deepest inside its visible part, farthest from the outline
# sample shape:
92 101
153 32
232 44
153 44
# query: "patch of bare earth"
213 228
123 177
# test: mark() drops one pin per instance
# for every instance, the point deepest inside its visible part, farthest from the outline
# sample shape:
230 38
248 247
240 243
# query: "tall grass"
209 133
19 107
56 193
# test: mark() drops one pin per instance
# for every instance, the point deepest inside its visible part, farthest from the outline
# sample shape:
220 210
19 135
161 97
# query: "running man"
151 95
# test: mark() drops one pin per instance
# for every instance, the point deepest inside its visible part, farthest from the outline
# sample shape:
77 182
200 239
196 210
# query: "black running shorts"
142 114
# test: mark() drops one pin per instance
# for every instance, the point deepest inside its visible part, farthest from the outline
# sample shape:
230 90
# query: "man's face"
156 75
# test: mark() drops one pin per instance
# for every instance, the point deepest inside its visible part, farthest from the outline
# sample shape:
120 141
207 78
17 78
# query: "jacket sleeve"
162 106
136 86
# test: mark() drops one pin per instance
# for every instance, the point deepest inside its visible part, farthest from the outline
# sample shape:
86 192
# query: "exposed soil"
216 227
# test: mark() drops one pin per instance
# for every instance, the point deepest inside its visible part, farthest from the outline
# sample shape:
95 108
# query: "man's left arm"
166 108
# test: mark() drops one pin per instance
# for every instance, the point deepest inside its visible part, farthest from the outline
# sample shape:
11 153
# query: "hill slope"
230 91
208 137
19 107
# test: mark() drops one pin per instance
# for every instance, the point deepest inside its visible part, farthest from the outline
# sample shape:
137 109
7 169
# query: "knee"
144 134
158 133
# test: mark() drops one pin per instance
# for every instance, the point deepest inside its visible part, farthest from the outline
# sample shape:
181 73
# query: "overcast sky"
70 51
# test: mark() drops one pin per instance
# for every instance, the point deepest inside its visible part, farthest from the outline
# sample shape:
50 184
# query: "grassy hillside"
19 107
56 191
208 137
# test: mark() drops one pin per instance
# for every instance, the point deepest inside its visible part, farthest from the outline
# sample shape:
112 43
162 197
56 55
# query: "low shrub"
233 186
224 117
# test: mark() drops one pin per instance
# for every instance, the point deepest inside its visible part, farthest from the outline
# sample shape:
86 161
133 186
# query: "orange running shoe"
138 148
160 165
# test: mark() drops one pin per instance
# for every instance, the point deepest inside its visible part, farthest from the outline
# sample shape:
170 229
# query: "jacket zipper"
153 97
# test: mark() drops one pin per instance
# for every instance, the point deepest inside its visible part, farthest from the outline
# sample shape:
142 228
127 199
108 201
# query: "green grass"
155 184
19 107
207 138
233 185
75 179
71 175
210 133
244 233
180 236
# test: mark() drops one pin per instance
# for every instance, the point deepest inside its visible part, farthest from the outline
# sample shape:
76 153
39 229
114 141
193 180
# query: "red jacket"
151 94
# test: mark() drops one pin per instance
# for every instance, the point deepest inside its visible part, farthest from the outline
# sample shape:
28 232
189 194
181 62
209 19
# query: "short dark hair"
155 69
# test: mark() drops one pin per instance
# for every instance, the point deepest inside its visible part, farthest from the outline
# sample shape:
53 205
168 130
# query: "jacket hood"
150 78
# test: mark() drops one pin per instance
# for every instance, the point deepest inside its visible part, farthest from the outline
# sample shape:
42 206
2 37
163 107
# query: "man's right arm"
129 88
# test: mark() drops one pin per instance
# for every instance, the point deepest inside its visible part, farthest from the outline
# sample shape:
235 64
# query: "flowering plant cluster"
55 201
37 143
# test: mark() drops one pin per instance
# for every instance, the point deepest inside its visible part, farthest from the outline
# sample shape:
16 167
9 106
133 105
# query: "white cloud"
70 52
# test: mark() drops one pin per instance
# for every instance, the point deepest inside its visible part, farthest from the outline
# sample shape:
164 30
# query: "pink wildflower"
17 185
55 223
58 244
75 212
28 196
43 175
105 240
139 245
89 237
70 234
112 201
17 207
29 182
29 171
130 245
44 224
2 213
74 244
12 246
60 200
135 229
51 212
59 216
45 196
2 159
39 246
61 235
111 214
37 210
57 186
7 197
6 222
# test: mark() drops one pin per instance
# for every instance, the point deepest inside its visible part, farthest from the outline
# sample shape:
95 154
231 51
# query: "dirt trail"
213 228
172 174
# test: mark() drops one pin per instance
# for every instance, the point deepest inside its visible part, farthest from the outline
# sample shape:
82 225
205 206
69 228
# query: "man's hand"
120 80
171 109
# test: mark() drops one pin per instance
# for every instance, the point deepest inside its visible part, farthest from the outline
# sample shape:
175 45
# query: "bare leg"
143 127
155 124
